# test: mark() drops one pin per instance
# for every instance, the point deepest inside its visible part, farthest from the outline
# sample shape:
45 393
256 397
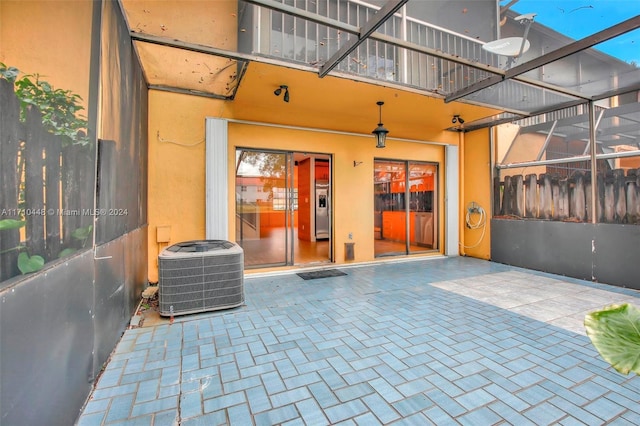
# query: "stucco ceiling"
342 104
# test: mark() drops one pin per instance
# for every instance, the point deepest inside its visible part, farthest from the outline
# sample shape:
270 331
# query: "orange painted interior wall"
270 218
306 194
305 199
394 222
322 170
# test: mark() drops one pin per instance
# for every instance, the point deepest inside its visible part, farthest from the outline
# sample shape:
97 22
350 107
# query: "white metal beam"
575 47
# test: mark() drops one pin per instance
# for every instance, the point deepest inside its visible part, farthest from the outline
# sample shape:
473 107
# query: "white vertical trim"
451 201
312 198
217 188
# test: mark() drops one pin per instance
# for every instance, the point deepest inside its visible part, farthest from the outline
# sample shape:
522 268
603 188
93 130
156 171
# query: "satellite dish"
513 47
509 46
526 17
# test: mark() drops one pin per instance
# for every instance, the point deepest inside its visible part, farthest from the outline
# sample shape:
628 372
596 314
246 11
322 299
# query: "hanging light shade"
380 132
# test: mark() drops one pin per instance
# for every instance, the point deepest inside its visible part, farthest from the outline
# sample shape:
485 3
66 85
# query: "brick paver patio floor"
435 341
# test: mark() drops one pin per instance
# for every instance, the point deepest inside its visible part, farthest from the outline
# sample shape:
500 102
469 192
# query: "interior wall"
305 200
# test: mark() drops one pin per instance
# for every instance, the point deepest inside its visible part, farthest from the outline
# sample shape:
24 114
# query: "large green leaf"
615 333
66 252
10 73
82 233
11 224
28 264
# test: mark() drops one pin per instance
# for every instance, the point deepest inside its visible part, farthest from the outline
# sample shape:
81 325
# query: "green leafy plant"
60 108
82 234
6 224
66 252
615 333
60 113
28 264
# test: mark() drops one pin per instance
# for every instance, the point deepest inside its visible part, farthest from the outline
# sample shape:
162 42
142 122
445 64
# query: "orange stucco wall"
48 38
476 180
176 197
353 186
177 171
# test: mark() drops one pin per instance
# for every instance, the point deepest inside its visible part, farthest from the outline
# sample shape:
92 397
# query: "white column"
217 185
451 201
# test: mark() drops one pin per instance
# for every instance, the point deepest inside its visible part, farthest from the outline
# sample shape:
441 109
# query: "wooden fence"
551 197
42 183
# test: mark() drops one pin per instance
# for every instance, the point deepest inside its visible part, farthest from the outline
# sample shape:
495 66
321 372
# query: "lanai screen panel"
170 67
208 24
516 96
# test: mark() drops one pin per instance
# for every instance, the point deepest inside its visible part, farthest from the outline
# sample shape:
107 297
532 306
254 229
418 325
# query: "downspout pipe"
594 177
461 206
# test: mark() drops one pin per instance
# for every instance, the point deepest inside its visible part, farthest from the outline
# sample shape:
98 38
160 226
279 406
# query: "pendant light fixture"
380 132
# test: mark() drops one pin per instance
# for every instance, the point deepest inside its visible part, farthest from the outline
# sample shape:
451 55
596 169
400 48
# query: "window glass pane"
422 207
261 207
390 219
405 207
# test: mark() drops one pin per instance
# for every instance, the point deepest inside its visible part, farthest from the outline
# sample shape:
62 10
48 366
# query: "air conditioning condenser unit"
200 276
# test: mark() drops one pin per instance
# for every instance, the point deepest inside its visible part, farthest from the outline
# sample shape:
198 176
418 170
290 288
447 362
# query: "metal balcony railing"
278 35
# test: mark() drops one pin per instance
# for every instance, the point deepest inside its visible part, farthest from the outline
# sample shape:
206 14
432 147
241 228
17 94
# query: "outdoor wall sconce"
380 132
457 119
278 91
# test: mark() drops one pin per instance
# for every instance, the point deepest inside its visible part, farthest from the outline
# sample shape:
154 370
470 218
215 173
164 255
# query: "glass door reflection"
283 207
422 206
405 213
264 183
390 215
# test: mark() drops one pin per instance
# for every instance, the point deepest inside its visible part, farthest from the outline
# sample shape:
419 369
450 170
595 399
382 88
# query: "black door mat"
326 273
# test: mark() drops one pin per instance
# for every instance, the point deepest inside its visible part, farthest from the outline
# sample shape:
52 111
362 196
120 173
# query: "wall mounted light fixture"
279 90
380 132
457 119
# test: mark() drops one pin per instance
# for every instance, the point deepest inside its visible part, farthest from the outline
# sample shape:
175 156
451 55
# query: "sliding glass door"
264 207
405 207
283 207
